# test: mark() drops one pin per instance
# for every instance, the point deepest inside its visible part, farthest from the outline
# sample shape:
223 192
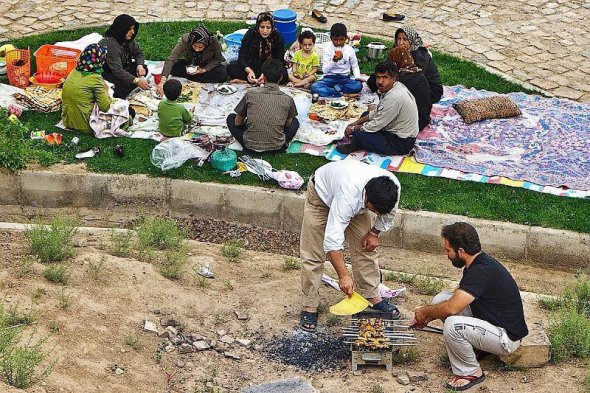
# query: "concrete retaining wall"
105 198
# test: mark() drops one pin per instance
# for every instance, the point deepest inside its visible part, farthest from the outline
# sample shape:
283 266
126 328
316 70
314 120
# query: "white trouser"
463 333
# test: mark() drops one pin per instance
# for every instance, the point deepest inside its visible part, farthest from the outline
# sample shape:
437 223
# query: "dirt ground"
90 335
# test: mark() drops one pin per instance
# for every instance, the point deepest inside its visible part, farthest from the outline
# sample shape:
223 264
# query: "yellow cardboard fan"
350 305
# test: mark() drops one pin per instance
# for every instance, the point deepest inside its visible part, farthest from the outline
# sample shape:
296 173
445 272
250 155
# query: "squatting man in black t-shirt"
485 312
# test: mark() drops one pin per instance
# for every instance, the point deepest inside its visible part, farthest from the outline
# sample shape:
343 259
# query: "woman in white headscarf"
197 57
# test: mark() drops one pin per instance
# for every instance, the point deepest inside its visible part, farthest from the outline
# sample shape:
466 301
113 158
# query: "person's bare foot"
459 382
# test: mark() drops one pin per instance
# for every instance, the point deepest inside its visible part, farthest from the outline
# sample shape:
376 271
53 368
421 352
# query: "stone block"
292 212
559 248
502 239
139 191
254 205
9 188
534 351
49 189
199 199
291 385
421 230
393 237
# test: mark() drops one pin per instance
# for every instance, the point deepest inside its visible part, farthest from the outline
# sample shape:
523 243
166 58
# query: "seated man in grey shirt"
391 128
265 117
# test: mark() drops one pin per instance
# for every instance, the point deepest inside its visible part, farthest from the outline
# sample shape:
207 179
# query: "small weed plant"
424 285
405 356
37 294
15 149
53 242
159 233
132 340
24 266
233 250
291 263
95 269
57 273
228 284
14 317
64 298
121 243
332 320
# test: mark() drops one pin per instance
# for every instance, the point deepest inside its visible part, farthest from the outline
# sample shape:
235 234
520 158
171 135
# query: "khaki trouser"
463 333
365 266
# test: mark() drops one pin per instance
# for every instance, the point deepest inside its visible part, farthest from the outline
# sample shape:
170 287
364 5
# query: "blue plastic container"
286 24
233 39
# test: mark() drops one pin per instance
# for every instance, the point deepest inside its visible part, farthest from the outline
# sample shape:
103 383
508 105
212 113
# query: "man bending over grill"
483 314
352 201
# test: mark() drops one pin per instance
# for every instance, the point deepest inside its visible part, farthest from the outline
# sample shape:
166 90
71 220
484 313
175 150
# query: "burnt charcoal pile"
314 352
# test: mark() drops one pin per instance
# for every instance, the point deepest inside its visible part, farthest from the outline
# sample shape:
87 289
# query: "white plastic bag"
174 152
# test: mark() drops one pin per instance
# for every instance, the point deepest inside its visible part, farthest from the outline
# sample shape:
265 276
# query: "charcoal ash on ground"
255 238
313 352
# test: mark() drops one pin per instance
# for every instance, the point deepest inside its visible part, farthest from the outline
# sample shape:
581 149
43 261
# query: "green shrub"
569 333
58 274
13 317
232 250
53 242
121 243
159 233
19 363
15 149
173 262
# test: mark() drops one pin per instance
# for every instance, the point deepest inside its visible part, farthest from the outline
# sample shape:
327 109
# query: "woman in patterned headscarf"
84 88
407 37
200 52
262 42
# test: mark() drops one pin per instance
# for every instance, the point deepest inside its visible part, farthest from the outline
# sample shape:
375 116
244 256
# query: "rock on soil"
315 352
291 385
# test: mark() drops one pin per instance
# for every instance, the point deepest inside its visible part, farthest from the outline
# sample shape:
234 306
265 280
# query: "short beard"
458 262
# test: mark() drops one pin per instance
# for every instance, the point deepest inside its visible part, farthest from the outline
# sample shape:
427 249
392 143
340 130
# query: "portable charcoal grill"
397 333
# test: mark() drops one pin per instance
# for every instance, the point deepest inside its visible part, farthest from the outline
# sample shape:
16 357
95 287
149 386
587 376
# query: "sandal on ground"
473 380
393 17
386 307
308 321
316 14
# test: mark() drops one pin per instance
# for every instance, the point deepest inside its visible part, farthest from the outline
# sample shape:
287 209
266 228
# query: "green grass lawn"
471 199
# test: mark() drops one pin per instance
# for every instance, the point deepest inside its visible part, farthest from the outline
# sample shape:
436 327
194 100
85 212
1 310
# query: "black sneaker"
386 307
347 149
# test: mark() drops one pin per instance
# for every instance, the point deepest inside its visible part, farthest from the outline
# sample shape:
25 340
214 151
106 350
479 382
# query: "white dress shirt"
343 66
341 186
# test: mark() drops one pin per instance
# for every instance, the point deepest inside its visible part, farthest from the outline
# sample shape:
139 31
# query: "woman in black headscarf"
197 57
125 66
261 43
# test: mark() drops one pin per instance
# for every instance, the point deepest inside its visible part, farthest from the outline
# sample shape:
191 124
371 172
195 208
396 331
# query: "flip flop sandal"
385 306
473 380
319 16
307 320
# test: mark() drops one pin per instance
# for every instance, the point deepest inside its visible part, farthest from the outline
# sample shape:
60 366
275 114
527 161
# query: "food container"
376 50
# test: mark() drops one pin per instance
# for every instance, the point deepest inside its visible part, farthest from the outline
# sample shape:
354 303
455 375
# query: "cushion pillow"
496 107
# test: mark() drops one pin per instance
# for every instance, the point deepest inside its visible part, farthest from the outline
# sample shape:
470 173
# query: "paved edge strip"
103 197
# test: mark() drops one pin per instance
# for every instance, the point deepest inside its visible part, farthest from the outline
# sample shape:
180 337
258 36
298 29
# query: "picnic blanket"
546 147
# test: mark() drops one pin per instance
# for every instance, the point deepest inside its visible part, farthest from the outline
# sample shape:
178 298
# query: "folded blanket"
110 123
40 99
